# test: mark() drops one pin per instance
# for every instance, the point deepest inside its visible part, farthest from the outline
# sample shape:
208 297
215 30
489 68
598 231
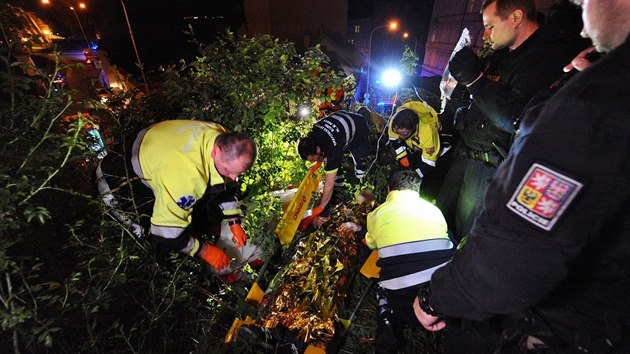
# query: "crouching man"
412 239
172 181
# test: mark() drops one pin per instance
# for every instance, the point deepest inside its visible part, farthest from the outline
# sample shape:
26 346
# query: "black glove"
465 66
459 118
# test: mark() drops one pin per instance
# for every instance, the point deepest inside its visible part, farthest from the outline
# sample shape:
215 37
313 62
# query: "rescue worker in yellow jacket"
412 239
414 135
180 169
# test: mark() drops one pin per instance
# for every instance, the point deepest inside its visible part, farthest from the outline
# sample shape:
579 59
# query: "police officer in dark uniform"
526 59
549 258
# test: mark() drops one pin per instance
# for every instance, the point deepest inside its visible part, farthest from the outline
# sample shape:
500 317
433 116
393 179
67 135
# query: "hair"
365 112
236 145
307 147
405 180
506 7
405 119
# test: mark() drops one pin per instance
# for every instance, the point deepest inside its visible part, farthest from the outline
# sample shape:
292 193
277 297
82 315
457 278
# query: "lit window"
357 29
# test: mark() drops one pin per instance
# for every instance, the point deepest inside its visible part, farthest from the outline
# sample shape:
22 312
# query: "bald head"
605 22
233 154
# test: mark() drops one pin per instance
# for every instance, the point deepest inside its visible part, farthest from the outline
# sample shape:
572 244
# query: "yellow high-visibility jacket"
426 137
173 159
411 236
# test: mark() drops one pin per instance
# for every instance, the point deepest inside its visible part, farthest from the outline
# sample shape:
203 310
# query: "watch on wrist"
423 300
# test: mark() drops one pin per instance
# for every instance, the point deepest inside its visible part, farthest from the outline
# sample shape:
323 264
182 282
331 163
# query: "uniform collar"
403 194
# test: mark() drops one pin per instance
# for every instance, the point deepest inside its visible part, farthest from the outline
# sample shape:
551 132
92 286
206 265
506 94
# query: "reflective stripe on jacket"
425 138
334 134
173 159
411 236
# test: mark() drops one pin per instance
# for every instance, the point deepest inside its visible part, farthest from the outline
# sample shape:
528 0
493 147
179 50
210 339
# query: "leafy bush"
36 150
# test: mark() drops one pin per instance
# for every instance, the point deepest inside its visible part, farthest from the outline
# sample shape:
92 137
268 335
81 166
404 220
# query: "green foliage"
36 149
486 49
409 61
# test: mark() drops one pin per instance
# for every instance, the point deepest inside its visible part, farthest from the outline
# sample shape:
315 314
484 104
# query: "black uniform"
554 239
511 78
343 132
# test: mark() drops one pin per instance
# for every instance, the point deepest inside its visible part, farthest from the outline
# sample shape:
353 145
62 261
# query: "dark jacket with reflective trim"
333 134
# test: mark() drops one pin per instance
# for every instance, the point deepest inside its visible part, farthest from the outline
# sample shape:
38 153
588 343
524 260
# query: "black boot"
385 341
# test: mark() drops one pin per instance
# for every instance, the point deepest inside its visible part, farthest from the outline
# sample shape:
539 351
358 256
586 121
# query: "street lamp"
392 26
406 35
133 42
81 5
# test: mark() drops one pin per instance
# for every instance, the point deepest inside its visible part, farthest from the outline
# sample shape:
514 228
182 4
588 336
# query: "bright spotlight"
391 78
304 111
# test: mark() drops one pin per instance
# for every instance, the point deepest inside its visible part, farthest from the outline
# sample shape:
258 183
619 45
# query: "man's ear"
214 151
517 17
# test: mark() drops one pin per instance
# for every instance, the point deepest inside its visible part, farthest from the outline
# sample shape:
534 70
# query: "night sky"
158 28
158 25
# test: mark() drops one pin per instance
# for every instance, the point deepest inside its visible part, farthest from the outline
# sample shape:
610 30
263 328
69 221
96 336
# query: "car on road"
90 55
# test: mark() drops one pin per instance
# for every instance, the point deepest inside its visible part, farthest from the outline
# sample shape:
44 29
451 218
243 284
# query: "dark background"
158 26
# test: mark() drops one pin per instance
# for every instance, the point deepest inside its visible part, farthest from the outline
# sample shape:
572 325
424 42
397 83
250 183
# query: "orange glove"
238 235
317 210
316 166
307 221
404 162
214 256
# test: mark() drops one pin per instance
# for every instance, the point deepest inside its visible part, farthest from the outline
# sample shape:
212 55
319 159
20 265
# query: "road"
85 78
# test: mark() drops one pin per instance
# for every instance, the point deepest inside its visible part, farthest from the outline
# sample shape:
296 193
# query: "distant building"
359 33
304 23
449 18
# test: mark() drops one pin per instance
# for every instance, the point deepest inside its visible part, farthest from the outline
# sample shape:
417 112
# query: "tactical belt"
490 157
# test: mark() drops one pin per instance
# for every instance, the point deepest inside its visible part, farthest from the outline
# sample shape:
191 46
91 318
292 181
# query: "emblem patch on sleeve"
186 202
543 195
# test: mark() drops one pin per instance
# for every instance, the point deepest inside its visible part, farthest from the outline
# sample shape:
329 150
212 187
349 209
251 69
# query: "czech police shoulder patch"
186 202
543 195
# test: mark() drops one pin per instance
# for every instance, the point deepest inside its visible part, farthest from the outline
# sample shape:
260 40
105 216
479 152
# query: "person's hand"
238 235
317 164
214 256
317 210
430 323
320 220
348 227
580 62
465 66
311 219
404 162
